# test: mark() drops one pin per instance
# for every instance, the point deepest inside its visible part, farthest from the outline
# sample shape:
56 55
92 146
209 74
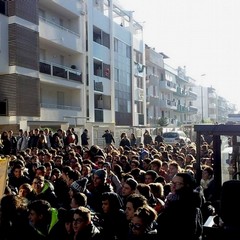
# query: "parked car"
175 137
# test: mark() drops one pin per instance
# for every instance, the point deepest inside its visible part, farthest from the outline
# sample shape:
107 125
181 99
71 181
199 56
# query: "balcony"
153 80
70 7
212 95
212 105
192 95
51 112
56 70
193 109
167 86
59 35
181 92
154 100
168 104
182 108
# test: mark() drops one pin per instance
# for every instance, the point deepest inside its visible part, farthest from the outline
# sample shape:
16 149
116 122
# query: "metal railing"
56 106
57 70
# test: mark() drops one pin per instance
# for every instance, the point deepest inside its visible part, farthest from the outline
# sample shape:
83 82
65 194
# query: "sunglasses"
135 226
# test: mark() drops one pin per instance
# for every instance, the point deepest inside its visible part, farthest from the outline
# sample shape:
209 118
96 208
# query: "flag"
3 174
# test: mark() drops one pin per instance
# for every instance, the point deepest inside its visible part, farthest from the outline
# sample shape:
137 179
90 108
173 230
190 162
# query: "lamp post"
202 102
202 75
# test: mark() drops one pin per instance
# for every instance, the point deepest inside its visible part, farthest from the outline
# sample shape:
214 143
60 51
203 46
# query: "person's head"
142 220
78 186
207 173
133 202
129 187
38 184
99 177
157 190
39 212
78 199
173 168
81 219
111 202
17 170
182 180
150 176
24 190
156 165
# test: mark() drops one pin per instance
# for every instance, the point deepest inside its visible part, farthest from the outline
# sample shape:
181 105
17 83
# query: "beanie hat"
101 173
132 183
79 185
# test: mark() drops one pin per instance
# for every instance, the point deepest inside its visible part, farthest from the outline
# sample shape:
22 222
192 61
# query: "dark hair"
40 207
137 200
115 202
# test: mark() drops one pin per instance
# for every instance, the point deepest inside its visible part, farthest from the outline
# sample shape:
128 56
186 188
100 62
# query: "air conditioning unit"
140 95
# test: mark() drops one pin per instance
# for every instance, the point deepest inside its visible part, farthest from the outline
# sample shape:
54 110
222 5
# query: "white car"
175 137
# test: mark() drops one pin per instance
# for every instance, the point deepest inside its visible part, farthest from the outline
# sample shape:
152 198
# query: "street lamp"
202 75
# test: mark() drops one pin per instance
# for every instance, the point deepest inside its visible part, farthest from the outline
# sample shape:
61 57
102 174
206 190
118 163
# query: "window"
97 35
128 51
3 108
116 75
115 45
106 39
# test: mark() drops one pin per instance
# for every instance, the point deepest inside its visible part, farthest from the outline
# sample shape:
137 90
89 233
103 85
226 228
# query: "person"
142 224
108 138
124 140
44 221
85 138
6 142
133 140
98 186
181 211
44 189
115 225
14 218
158 138
83 225
147 138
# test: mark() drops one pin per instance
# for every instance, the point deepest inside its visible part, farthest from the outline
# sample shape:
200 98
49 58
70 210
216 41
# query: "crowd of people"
59 187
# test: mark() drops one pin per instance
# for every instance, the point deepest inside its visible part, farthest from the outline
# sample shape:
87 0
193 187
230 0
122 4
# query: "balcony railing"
181 92
56 106
60 71
58 26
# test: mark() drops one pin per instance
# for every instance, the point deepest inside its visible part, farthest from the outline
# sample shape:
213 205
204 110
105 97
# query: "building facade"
83 63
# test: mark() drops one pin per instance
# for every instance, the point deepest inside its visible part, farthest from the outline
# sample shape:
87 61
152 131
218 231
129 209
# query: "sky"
203 35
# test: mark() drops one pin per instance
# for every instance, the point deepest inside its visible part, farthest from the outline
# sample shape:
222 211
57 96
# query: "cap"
79 185
101 173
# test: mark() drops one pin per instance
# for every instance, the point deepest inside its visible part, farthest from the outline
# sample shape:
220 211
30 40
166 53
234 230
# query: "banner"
3 174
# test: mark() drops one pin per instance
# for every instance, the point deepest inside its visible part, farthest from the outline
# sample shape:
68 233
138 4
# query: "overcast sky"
202 35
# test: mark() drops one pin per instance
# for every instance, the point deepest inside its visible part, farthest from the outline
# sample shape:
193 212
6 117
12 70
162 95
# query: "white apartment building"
80 63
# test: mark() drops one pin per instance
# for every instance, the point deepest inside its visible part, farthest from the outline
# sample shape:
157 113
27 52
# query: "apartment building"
71 62
83 63
161 85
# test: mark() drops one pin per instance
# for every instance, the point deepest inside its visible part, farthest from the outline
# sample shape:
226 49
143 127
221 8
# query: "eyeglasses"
77 220
135 226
